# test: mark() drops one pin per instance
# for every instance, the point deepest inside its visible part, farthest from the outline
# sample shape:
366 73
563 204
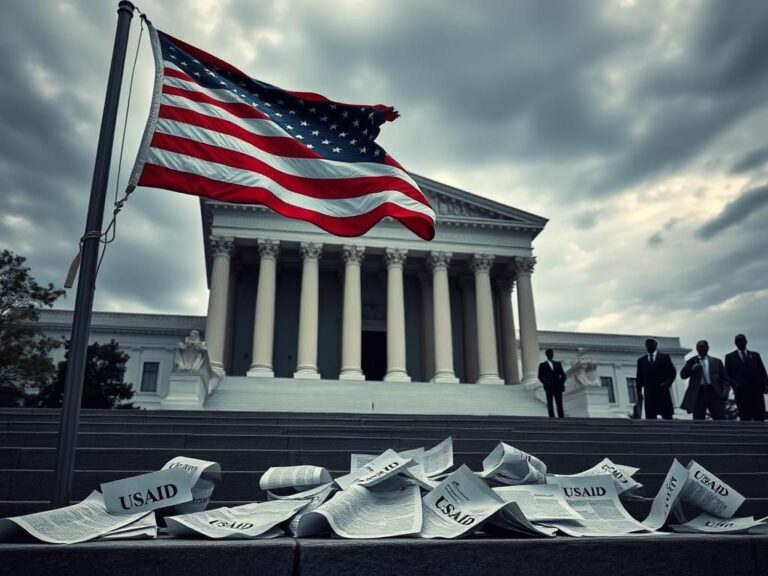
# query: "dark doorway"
374 355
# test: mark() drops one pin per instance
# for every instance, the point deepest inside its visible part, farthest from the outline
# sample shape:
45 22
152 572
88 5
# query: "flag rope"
112 227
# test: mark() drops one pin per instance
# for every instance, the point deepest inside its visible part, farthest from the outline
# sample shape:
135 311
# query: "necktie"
650 358
743 355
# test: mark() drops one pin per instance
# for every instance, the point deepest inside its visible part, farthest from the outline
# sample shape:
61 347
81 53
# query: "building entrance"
374 352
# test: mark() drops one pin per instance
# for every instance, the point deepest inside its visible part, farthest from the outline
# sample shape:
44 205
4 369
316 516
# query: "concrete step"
397 398
244 485
634 443
510 434
259 459
660 555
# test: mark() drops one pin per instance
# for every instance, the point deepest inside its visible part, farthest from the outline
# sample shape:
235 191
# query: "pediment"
458 205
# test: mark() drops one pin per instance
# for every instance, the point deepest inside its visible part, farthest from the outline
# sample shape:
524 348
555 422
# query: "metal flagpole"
81 323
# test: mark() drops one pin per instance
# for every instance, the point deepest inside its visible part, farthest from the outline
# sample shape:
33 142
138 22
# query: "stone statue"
584 370
191 354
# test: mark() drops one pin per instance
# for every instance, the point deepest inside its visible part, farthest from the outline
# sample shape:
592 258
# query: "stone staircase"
116 444
235 393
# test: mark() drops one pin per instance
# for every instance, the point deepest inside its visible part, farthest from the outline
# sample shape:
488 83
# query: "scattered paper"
359 512
706 491
667 497
147 492
622 475
708 524
508 465
256 520
298 478
539 502
80 522
458 505
596 500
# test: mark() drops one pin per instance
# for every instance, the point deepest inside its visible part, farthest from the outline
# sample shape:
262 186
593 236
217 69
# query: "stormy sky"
638 128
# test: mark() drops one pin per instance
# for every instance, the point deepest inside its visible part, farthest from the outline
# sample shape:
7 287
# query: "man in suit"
655 375
552 376
708 386
746 371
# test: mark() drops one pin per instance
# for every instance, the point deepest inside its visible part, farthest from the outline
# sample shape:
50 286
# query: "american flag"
213 131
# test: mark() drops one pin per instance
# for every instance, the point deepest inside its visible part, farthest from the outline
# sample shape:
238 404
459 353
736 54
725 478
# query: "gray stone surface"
654 555
165 557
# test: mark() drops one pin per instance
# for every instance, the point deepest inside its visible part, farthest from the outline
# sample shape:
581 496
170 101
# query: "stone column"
529 335
471 369
439 262
508 338
306 358
352 326
396 371
216 321
264 320
488 361
427 326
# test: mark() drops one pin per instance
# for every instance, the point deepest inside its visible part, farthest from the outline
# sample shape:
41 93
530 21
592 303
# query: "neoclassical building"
289 300
301 320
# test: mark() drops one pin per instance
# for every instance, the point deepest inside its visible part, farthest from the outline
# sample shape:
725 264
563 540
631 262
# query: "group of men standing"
710 382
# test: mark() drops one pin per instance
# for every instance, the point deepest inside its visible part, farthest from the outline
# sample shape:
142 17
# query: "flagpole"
81 323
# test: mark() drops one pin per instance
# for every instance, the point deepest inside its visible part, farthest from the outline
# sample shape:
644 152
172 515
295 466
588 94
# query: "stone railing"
193 378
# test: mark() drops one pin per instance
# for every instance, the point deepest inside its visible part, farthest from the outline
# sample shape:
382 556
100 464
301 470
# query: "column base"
351 374
445 378
306 374
397 376
490 379
260 372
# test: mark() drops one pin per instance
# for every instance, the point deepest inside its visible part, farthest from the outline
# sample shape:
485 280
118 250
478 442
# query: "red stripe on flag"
278 145
322 188
181 75
239 109
161 177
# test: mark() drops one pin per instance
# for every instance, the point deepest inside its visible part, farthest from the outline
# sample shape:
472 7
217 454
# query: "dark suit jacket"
746 375
717 376
553 380
654 381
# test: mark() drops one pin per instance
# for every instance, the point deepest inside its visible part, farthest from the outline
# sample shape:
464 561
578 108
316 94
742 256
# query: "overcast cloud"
637 128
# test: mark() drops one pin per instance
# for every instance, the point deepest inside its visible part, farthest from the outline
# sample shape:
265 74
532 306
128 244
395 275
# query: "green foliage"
24 348
103 386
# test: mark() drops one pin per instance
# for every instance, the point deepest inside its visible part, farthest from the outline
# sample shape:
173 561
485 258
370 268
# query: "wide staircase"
117 444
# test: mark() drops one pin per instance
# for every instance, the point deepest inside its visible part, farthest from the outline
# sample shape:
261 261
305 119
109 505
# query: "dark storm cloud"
586 220
512 80
750 161
655 241
734 213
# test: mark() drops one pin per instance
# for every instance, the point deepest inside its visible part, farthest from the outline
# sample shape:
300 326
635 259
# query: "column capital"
439 260
481 263
310 250
352 254
524 265
268 248
395 256
221 246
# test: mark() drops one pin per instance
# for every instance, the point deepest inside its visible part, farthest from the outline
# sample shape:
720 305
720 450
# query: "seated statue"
191 354
584 370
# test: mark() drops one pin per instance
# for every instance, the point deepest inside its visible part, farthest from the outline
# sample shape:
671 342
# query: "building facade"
299 319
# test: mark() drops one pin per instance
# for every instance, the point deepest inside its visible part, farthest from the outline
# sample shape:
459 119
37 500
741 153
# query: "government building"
300 320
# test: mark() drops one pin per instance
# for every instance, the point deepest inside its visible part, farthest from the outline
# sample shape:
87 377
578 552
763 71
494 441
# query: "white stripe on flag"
336 207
